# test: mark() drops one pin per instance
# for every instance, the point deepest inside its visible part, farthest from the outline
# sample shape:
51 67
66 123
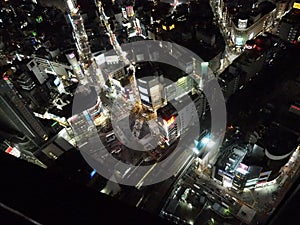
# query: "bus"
110 137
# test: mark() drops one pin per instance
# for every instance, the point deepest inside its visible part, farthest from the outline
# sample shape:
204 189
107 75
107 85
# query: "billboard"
13 151
129 11
144 98
242 24
239 40
243 169
264 176
296 5
112 59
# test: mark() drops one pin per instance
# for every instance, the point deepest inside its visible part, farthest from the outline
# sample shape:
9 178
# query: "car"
117 150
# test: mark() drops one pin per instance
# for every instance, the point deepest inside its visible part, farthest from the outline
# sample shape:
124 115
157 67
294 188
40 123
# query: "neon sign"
170 121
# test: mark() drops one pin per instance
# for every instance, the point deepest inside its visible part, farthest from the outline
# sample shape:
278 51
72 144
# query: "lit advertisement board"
296 5
112 59
143 90
13 151
129 10
264 176
243 169
145 98
242 24
239 40
155 93
71 55
100 59
56 82
224 173
170 121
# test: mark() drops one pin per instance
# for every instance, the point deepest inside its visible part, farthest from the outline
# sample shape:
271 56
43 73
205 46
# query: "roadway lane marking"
146 174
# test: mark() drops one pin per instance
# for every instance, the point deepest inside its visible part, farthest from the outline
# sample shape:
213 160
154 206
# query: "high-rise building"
149 86
89 69
240 177
289 27
17 117
42 68
248 24
200 103
168 121
150 91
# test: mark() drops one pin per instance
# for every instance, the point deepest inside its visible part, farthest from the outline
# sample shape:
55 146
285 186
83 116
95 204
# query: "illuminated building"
281 8
295 108
248 177
254 173
87 62
114 42
248 25
240 177
168 123
258 53
18 119
227 165
129 11
149 86
42 68
122 84
181 114
71 57
289 26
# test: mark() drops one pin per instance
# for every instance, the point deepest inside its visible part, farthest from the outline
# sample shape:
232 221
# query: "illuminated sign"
264 176
143 90
239 40
71 6
170 27
124 13
56 81
39 19
170 121
222 172
155 93
13 151
242 24
243 166
71 55
249 46
203 142
129 10
296 5
243 169
295 107
145 98
251 36
112 59
93 173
